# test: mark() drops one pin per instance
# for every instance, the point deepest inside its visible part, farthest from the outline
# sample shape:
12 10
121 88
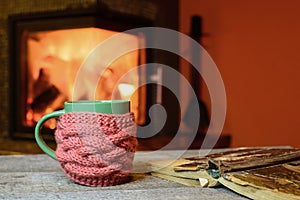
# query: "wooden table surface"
40 177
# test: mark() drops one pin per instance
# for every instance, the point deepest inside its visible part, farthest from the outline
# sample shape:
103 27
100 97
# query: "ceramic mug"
98 106
95 141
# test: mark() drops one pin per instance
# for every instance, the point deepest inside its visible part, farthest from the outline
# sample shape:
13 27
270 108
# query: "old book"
232 169
281 181
235 160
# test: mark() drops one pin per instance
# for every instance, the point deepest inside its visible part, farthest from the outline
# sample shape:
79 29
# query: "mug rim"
113 101
98 106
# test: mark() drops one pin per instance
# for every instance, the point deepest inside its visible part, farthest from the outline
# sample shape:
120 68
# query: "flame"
54 58
126 90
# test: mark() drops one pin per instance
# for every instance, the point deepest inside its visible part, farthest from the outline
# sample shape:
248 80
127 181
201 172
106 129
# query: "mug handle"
38 136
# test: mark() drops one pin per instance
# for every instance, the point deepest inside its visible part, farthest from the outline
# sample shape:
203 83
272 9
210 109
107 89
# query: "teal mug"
95 141
96 106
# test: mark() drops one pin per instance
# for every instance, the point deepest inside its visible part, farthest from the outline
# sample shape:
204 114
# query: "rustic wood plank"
40 177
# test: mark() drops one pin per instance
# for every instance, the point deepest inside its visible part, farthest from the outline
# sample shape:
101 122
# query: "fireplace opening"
53 59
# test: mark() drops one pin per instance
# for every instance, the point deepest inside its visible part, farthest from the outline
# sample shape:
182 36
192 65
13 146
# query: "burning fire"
53 60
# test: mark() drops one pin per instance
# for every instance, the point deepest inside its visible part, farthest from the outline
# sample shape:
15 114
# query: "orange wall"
256 46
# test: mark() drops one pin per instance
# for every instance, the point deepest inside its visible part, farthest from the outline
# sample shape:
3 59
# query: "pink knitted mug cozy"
96 149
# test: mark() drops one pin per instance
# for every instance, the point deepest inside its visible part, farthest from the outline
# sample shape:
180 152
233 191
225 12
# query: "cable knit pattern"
96 149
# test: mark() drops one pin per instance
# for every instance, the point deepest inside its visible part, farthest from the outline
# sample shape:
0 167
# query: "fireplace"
47 49
25 25
50 48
